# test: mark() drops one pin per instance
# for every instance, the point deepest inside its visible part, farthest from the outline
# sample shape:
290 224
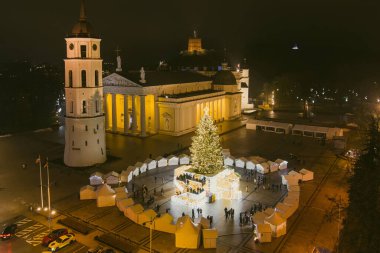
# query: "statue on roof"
142 75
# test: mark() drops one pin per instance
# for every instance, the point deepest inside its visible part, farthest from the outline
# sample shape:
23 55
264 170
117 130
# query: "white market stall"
187 234
250 164
277 224
226 152
229 160
112 178
259 217
96 178
282 164
307 175
161 161
173 160
262 168
105 196
317 131
130 171
87 192
240 162
142 167
285 210
136 172
151 164
184 159
124 176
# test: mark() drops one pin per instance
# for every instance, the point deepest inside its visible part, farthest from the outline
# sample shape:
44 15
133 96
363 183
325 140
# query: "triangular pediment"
117 80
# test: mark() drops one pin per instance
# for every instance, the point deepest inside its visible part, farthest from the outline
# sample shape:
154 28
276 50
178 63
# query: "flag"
38 160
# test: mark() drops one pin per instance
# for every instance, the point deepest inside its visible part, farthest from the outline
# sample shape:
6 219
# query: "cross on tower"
117 51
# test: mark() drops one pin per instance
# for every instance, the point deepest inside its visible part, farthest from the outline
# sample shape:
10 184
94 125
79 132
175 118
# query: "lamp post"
42 194
150 233
48 190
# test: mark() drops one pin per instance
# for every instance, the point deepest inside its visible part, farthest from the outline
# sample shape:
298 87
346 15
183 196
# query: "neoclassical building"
168 102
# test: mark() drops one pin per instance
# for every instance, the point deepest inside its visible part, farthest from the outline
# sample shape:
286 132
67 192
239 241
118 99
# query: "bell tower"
84 119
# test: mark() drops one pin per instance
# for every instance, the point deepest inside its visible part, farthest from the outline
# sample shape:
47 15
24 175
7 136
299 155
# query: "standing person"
192 214
246 188
155 179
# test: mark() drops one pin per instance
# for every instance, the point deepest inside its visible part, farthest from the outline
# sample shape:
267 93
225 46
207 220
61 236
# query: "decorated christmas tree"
206 152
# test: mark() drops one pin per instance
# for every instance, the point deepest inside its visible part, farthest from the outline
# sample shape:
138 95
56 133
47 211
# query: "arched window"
96 78
84 107
84 82
83 51
70 78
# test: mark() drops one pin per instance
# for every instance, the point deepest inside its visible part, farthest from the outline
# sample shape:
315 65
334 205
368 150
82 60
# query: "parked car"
53 236
8 231
62 242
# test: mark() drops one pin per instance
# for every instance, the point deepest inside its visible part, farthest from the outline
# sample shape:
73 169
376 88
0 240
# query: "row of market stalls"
113 178
272 221
258 163
301 130
187 233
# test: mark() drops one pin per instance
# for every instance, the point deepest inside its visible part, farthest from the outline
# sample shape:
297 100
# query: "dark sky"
327 31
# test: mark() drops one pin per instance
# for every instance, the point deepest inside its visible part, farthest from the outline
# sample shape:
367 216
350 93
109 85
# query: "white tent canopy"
184 159
273 166
96 178
173 160
240 162
151 164
262 168
123 204
146 216
277 223
264 232
132 212
130 171
142 166
282 164
161 161
229 160
164 223
124 176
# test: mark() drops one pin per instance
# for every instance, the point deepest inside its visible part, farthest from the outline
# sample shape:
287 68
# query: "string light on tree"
206 151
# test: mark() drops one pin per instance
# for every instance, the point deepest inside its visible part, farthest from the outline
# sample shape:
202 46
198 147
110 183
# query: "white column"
126 114
134 125
114 122
142 115
106 110
156 114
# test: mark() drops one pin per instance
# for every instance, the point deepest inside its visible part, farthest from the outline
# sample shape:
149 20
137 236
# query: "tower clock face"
71 46
94 47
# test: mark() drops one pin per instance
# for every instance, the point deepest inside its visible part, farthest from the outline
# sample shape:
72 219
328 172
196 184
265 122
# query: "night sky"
329 33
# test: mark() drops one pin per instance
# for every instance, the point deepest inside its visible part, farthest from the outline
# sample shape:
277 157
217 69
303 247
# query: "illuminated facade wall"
166 109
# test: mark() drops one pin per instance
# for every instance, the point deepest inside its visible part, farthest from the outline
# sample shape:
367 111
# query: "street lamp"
150 233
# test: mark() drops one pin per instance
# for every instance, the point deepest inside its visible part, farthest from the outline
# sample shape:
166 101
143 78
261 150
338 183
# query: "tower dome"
82 29
224 77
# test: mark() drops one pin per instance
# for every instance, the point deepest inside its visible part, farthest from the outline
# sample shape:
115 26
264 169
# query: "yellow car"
61 242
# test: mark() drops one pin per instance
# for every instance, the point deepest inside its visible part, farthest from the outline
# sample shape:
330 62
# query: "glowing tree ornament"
206 152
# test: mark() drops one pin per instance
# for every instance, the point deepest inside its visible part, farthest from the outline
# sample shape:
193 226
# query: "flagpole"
42 192
48 187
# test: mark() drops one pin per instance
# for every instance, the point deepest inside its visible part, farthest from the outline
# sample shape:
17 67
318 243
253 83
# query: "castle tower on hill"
195 45
84 120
